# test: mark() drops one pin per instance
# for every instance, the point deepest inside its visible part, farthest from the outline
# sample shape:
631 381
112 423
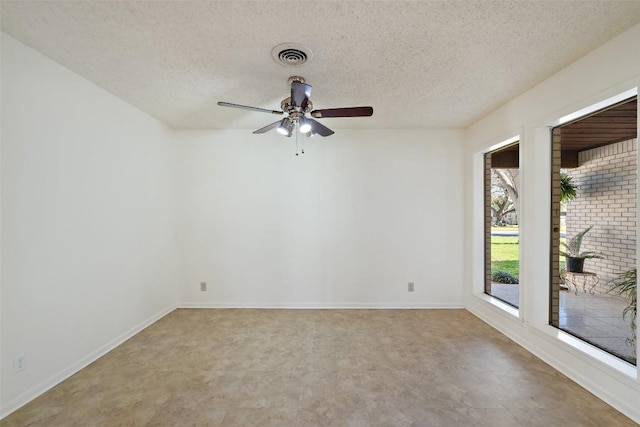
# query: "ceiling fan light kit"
305 126
296 107
286 127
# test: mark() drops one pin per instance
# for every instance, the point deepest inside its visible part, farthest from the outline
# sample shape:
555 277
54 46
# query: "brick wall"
487 223
556 141
606 178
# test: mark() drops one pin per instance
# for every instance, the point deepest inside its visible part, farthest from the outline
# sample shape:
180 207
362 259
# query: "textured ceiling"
420 64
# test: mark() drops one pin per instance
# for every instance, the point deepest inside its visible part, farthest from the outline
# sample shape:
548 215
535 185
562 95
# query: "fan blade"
320 129
300 93
343 112
246 107
267 128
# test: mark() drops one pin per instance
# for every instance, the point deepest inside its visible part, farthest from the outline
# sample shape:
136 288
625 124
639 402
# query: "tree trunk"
509 180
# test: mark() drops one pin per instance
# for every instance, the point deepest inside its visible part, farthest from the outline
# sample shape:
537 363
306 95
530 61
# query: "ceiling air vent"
291 54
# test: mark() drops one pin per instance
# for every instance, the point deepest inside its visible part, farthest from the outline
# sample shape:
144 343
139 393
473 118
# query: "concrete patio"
596 318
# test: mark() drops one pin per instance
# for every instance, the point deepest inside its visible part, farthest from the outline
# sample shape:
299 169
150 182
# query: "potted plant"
626 285
575 258
568 188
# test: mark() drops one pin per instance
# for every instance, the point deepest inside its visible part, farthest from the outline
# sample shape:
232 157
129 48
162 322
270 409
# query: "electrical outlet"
203 286
410 287
19 362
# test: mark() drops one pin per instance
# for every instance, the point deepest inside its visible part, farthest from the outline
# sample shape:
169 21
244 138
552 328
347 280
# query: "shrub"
502 276
626 285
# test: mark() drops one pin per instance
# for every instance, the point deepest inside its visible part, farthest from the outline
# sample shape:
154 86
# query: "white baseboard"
328 306
56 379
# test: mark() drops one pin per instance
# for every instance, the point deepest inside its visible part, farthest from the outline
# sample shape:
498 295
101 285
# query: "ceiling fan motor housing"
286 106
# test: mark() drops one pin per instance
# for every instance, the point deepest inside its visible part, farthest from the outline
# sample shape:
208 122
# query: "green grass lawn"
504 228
504 254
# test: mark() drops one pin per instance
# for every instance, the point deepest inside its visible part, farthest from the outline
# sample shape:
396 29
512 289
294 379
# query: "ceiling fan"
296 107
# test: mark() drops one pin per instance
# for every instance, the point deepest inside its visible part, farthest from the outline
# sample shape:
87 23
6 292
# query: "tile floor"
318 368
595 318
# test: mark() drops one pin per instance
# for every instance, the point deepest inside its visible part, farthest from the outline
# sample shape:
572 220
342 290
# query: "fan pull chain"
297 131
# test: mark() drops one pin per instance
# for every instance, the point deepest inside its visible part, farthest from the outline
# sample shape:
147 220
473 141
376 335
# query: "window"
501 208
593 239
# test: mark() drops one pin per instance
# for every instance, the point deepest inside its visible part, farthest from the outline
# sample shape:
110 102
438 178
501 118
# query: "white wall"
348 224
88 223
605 72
